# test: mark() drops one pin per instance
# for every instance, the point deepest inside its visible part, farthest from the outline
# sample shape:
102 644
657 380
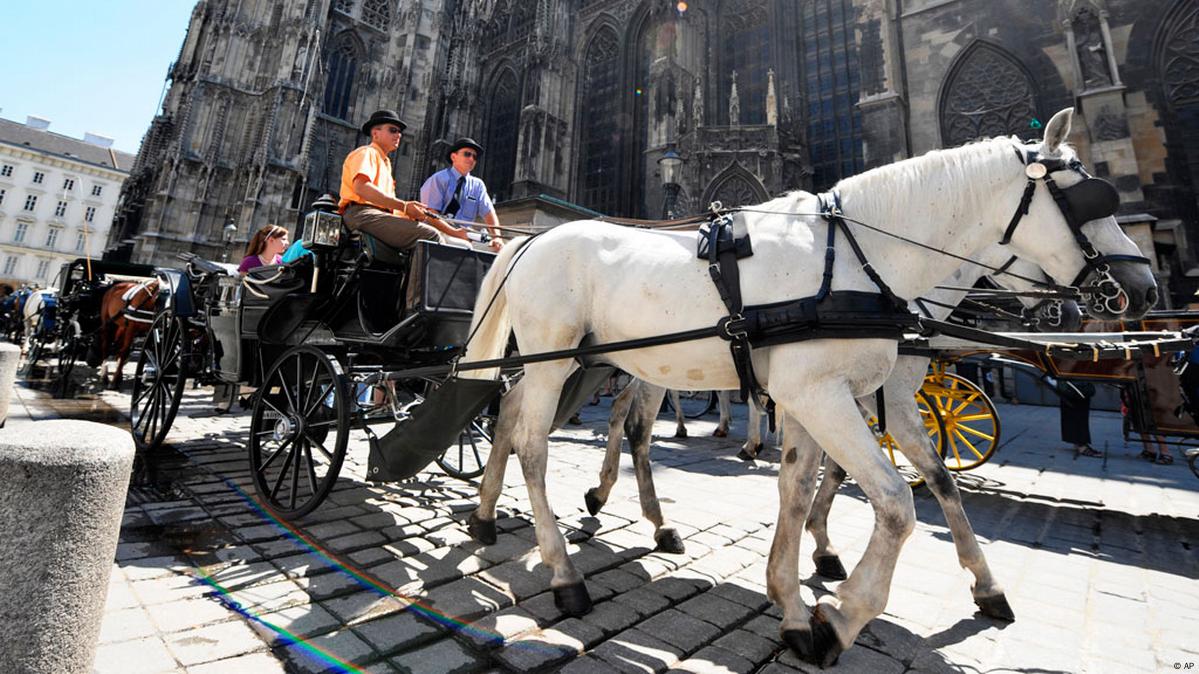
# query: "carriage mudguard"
433 426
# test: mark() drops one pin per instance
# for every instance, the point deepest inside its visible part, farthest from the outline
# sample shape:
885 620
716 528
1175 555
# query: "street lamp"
229 233
669 165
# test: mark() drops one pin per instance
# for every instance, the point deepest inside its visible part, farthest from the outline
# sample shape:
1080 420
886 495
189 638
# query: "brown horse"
126 311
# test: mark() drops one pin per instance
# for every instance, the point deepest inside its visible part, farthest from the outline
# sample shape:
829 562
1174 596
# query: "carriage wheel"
303 397
933 425
158 382
31 358
695 404
67 357
467 458
971 422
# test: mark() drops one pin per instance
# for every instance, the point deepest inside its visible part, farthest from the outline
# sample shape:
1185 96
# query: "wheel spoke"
276 410
266 464
311 471
966 403
976 433
972 417
282 474
295 473
319 400
966 442
325 452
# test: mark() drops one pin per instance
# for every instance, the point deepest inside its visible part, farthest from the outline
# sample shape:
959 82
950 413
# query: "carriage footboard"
433 426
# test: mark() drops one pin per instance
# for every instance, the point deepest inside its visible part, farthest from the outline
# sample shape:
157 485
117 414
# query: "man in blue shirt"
457 194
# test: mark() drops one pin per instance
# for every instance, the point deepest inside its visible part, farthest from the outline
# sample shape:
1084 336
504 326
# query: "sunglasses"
469 154
394 129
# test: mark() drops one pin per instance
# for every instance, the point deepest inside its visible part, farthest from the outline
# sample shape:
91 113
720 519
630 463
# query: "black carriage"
307 335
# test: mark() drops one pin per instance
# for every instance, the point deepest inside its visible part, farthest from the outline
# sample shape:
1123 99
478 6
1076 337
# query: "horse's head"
1066 224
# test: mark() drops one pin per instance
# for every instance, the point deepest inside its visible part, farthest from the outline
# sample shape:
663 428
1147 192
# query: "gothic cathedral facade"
579 100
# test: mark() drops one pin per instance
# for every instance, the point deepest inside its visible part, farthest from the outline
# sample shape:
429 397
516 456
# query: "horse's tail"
491 324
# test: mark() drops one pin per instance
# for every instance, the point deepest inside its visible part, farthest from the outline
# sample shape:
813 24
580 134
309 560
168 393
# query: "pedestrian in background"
1075 404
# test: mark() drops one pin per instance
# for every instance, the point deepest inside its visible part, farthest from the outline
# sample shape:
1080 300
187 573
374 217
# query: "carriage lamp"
669 164
322 229
229 232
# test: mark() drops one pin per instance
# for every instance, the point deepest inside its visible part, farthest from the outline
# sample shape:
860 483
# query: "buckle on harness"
732 328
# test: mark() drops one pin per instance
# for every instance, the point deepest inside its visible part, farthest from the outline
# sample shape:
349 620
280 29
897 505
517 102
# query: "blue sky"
89 65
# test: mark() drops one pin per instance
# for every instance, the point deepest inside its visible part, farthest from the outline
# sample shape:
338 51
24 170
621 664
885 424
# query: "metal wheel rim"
303 397
696 404
162 350
972 426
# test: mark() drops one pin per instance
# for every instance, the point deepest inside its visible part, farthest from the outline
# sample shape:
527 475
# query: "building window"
68 184
61 209
2 193
344 6
6 171
601 132
831 82
96 190
52 237
377 13
31 202
38 177
43 267
80 238
988 93
90 214
10 264
343 64
22 229
500 161
745 33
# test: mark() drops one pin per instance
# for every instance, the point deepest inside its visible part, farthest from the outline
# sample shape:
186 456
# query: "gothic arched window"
1180 58
736 191
745 37
987 93
831 76
344 6
600 112
377 13
339 86
523 14
503 125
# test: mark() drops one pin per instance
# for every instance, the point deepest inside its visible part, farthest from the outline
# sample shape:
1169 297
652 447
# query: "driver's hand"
497 243
415 210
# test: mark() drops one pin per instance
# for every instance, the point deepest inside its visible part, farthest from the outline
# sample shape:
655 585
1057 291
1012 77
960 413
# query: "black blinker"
1092 199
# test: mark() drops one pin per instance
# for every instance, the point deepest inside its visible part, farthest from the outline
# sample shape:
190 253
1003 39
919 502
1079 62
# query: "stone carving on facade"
734 102
772 106
988 94
1092 52
1180 58
697 105
1109 125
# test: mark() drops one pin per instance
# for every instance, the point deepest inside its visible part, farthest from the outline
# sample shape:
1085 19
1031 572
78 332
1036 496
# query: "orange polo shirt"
371 162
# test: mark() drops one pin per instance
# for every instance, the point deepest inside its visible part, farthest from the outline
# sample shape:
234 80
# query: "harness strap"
834 217
1021 211
726 275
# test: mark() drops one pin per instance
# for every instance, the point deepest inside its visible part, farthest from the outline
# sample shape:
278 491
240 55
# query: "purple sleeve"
248 262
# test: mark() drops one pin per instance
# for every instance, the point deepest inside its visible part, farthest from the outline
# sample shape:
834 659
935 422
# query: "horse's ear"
1057 130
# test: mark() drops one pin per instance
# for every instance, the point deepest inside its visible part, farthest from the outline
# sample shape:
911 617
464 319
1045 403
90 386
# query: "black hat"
383 117
461 143
326 202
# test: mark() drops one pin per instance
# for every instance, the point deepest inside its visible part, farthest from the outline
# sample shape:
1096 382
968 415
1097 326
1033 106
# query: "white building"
57 198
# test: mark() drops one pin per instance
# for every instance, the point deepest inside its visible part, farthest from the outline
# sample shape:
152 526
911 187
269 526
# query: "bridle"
1091 199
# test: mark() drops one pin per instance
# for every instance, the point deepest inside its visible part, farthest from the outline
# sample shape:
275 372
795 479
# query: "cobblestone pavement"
1097 556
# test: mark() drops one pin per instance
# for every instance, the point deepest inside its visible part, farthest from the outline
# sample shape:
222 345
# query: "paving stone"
451 537
397 632
616 579
716 610
521 578
279 628
443 657
676 590
237 576
140 656
537 651
684 632
328 585
363 606
343 644
583 633
734 591
643 600
269 596
151 568
120 594
748 645
635 651
496 629
586 665
189 613
467 599
371 556
213 642
713 660
168 589
506 547
407 546
125 624
258 533
358 541
254 663
542 608
612 617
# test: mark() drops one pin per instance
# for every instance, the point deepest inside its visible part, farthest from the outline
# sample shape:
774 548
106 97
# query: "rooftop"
49 142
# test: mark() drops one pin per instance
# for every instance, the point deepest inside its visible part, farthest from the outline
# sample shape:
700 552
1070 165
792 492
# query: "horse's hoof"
594 505
996 607
800 643
745 456
826 648
481 530
829 566
669 541
681 432
573 600
720 433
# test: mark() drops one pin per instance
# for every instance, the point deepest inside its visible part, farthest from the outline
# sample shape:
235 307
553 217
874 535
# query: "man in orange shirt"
368 202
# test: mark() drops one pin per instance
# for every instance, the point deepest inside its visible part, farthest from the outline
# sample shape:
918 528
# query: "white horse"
724 404
959 201
636 407
33 313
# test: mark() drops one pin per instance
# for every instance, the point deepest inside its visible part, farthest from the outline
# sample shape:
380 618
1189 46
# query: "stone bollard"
62 494
10 358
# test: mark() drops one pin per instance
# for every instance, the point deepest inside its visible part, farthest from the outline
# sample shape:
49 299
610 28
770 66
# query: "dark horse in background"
126 311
